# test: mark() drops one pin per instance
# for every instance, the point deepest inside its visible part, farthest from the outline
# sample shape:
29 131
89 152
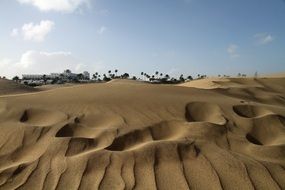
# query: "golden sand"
220 134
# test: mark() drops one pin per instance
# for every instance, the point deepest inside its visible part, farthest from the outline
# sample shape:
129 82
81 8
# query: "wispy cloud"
101 30
34 32
263 38
233 51
56 5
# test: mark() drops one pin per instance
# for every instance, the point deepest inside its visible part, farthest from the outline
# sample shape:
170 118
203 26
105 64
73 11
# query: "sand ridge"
143 136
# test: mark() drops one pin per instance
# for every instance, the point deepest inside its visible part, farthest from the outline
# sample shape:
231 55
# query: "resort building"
86 75
32 77
66 75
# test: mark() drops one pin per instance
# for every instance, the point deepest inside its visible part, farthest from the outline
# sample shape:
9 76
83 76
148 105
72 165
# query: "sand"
11 87
133 135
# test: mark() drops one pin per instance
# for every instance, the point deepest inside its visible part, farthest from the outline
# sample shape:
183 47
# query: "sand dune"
11 87
132 135
208 83
275 75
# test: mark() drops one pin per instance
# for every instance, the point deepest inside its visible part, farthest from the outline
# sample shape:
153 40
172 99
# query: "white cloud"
36 62
56 5
101 30
263 38
38 32
34 32
42 62
232 51
6 67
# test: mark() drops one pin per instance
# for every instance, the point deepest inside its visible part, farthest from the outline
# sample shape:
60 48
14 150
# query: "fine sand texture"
11 87
220 134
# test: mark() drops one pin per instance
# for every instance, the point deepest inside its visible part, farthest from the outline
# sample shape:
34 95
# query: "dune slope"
122 135
11 87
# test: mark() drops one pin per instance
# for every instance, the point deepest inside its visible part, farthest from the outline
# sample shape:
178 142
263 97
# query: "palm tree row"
164 78
156 77
107 77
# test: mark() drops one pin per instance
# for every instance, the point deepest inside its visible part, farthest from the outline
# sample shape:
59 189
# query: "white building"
54 75
66 75
33 77
86 75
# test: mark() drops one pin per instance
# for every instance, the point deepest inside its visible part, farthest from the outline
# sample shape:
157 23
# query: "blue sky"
172 36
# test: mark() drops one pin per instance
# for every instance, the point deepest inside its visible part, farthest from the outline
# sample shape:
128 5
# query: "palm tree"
145 75
95 76
45 79
156 73
181 78
105 78
125 75
80 76
16 78
190 77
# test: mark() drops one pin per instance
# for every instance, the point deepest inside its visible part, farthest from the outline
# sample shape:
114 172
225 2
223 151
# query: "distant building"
54 75
67 74
86 75
32 77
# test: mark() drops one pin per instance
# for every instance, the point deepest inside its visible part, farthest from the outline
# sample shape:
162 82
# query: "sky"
170 36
